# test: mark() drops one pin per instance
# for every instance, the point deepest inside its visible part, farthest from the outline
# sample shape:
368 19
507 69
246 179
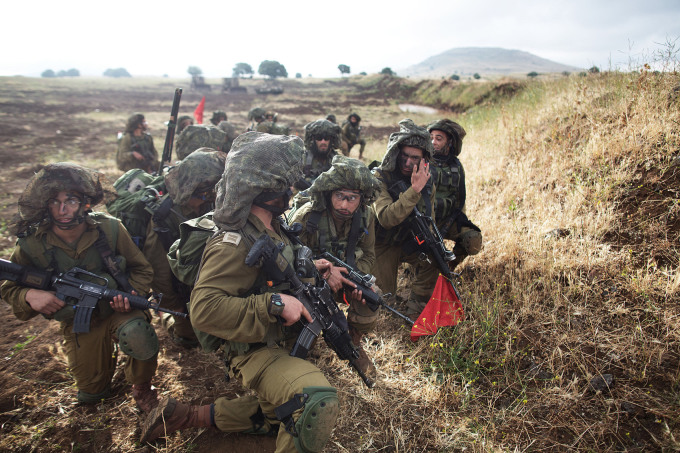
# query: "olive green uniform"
230 300
143 145
91 356
350 137
359 315
390 236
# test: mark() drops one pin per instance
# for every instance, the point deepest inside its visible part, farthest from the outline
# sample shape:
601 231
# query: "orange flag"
443 309
198 113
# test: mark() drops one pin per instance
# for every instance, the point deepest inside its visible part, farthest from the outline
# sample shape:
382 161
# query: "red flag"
443 309
198 113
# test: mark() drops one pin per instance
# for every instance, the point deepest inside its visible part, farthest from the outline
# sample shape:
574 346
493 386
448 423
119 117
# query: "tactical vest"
54 259
449 179
401 233
322 226
314 166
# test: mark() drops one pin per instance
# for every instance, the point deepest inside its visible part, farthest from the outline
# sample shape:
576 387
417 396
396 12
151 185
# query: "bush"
48 73
476 76
532 74
298 75
455 77
388 72
118 72
594 70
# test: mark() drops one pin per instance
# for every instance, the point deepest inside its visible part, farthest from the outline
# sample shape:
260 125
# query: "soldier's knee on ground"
317 420
471 241
137 338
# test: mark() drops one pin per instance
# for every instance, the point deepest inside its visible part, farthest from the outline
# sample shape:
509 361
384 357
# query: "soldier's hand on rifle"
137 155
420 176
354 296
324 267
293 310
336 280
122 304
45 302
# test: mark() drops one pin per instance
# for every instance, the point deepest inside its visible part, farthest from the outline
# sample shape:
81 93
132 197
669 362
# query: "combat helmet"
455 132
320 128
198 172
54 178
410 134
197 136
345 173
256 114
218 115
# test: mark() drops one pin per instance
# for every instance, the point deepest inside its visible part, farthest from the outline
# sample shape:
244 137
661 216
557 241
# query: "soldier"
338 219
351 135
330 117
182 122
218 116
234 302
449 178
198 136
57 231
230 130
322 138
256 116
191 192
404 175
135 148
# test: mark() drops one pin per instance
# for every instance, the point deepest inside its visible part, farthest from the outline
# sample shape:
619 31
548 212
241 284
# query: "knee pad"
317 420
471 242
93 398
138 339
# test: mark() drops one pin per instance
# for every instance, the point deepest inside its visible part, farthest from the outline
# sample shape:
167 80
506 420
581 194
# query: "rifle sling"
102 246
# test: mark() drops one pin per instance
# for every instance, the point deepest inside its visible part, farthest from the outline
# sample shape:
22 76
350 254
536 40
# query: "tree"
72 73
343 68
594 70
194 71
298 75
455 77
118 72
48 73
272 69
476 76
388 72
242 69
532 74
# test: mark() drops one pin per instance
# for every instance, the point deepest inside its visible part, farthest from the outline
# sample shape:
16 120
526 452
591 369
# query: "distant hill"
466 61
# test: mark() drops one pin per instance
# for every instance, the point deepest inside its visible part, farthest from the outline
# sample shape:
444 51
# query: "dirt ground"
45 121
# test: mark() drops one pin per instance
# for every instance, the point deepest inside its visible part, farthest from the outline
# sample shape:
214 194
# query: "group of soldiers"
228 200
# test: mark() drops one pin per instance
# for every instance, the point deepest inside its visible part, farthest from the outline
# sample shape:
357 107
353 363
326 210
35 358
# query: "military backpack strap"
354 232
108 257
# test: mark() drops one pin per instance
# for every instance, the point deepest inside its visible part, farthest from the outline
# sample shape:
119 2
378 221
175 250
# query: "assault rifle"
170 135
327 318
364 283
79 294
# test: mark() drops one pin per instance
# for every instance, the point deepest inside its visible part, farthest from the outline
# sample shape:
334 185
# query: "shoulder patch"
232 238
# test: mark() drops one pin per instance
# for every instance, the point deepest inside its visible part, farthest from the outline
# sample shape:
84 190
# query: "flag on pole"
443 309
198 113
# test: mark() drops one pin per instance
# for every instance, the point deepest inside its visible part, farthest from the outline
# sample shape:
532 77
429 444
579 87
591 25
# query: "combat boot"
170 415
145 396
363 362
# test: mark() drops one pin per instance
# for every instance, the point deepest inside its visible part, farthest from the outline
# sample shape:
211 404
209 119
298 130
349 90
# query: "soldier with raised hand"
236 303
351 135
57 231
338 219
322 139
449 178
406 183
135 148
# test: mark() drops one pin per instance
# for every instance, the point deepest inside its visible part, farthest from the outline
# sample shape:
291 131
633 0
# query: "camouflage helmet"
198 172
322 128
256 114
218 115
355 115
330 117
133 122
198 136
410 134
345 173
271 116
54 178
257 163
454 130
181 120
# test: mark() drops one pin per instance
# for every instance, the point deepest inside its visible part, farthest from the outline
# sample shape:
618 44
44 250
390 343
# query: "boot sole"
154 425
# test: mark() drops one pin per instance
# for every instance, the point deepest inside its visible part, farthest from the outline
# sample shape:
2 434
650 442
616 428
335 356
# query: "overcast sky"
152 37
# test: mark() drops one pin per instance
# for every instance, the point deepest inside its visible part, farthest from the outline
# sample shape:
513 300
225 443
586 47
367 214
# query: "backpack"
135 189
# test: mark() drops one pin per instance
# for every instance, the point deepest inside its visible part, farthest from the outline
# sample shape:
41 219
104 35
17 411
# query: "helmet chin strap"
77 220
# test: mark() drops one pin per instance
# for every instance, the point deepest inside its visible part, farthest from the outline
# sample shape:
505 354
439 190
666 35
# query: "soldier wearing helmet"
338 219
256 116
218 116
406 183
57 231
135 148
235 303
351 135
182 122
322 139
449 178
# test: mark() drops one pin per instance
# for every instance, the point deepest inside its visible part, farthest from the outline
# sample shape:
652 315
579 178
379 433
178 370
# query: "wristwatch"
276 305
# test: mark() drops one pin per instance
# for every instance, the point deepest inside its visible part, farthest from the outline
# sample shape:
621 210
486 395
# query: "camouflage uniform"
230 300
317 162
200 136
351 136
449 177
91 356
256 116
142 144
392 209
230 130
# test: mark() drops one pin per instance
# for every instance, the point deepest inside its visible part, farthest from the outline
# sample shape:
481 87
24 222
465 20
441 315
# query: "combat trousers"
388 257
361 317
276 377
92 356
